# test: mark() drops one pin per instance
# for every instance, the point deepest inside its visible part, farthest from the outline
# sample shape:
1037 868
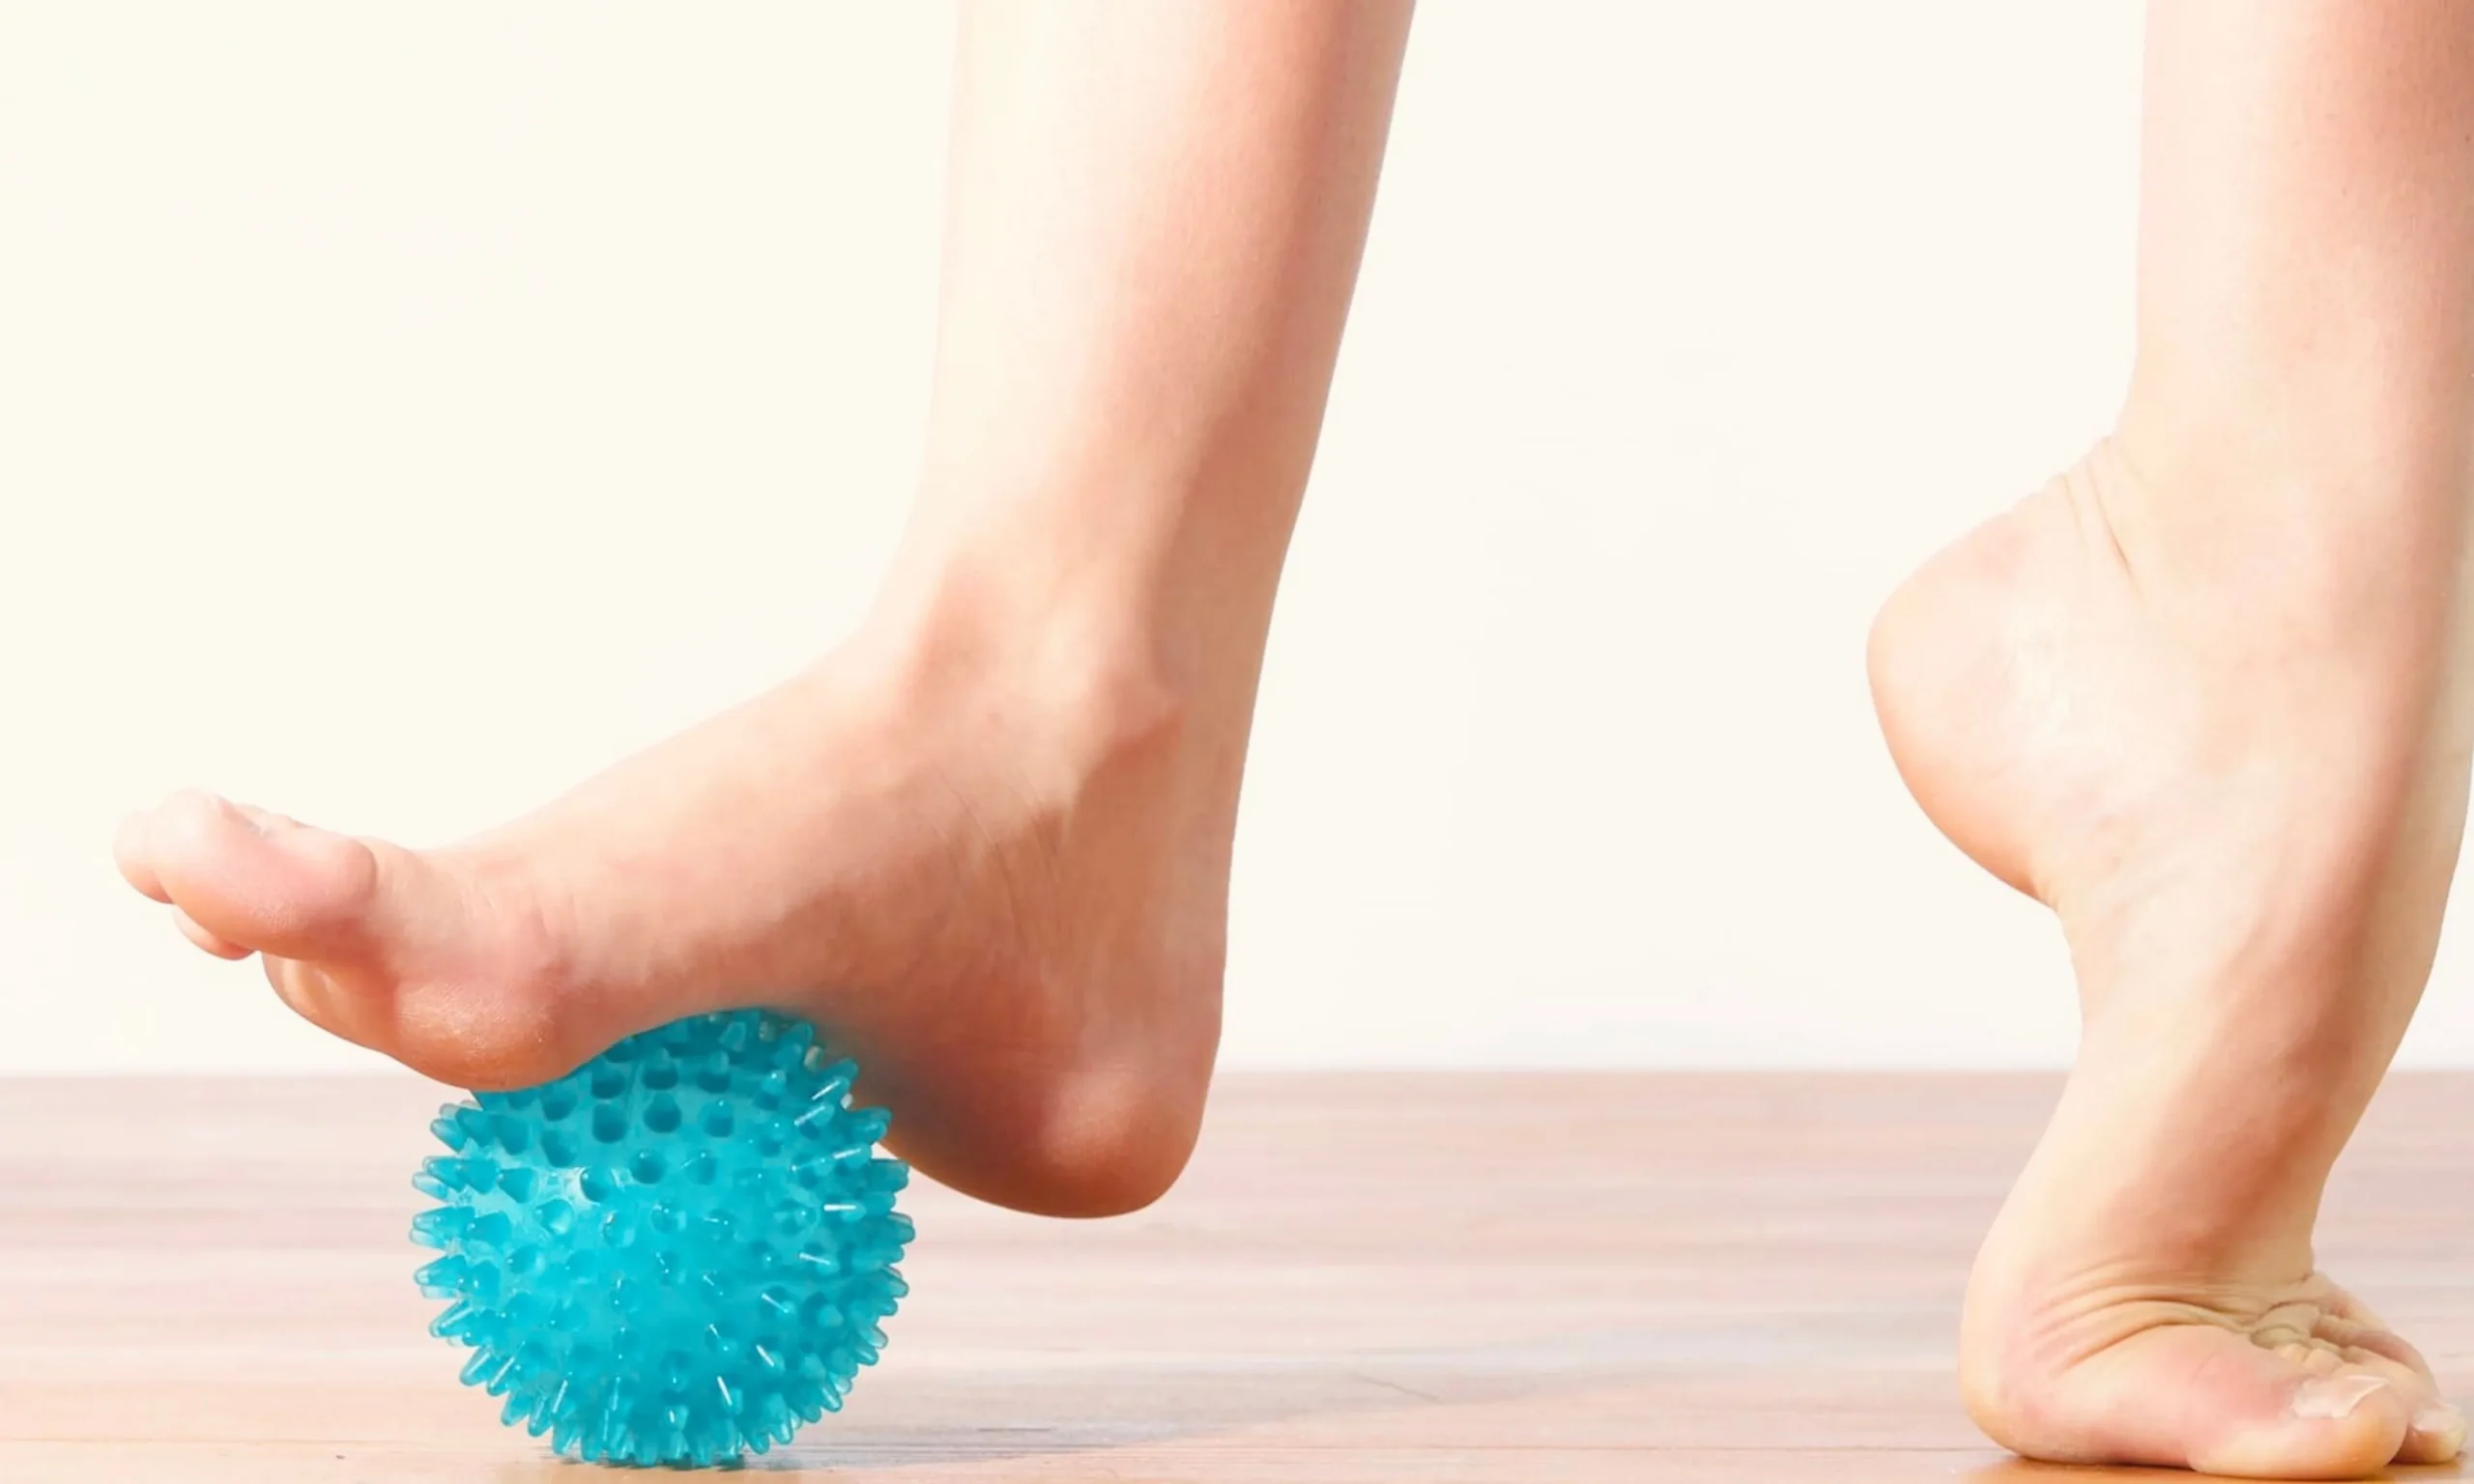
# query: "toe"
2436 1436
2437 1430
446 968
2370 1337
256 884
307 991
133 853
2244 1411
2202 1397
220 947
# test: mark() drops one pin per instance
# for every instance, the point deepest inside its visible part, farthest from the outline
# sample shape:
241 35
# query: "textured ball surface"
675 1254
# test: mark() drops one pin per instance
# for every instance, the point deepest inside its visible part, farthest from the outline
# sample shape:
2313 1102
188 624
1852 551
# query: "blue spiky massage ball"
674 1255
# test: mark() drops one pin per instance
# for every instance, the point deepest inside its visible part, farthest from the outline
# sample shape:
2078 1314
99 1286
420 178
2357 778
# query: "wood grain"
1459 1279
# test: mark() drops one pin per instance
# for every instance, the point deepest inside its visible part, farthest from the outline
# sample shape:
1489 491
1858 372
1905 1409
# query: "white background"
406 409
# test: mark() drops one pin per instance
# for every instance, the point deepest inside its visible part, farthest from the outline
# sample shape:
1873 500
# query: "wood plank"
1437 1277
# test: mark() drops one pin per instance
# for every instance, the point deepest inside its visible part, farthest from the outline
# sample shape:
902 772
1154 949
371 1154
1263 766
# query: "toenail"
2334 1396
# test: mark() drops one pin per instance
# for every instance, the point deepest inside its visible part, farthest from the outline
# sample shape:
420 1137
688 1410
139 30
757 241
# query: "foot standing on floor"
2206 696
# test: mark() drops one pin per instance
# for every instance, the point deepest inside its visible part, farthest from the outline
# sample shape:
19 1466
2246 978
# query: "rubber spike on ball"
676 1252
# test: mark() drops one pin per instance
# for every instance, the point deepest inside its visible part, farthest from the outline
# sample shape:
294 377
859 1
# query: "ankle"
1072 678
2340 527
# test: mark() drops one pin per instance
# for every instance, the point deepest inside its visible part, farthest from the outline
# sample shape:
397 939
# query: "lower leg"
2203 697
987 842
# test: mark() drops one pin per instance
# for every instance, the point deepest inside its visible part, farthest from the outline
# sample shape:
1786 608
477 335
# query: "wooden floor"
1437 1280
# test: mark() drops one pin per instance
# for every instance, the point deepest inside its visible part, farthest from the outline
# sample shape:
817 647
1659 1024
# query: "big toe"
249 880
2210 1399
2347 1423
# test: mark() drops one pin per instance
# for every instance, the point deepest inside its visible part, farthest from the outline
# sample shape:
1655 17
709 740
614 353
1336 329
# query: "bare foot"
993 861
986 843
2239 780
